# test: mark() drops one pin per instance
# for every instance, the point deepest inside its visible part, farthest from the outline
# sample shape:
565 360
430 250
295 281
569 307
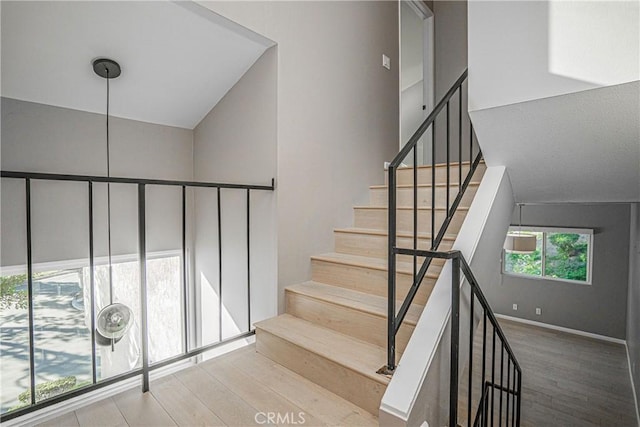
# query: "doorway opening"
416 74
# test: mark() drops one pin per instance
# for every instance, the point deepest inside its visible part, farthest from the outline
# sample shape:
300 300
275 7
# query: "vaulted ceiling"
178 58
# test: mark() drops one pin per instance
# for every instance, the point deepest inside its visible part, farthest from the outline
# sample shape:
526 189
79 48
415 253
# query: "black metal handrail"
513 388
395 319
147 367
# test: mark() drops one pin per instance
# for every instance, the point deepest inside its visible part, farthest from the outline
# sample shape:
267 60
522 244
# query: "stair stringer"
419 389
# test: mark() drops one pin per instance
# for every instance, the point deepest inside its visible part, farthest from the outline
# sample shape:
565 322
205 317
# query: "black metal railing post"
92 290
185 283
248 259
471 329
142 248
455 341
220 305
391 256
32 361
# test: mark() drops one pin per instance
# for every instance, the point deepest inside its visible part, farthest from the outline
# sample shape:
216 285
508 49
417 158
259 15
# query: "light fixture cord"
109 200
520 224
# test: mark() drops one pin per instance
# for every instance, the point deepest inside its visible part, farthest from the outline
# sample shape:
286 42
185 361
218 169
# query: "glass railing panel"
60 248
14 317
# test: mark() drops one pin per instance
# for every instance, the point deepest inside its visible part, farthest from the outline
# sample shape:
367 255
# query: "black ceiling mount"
106 68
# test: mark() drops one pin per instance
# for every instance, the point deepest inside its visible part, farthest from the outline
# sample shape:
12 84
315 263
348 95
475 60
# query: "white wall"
633 302
451 43
419 389
236 142
524 50
337 114
41 138
451 61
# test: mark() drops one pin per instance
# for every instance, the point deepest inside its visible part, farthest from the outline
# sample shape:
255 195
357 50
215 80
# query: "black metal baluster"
460 140
185 284
92 284
248 260
484 363
448 159
513 407
470 392
470 144
415 213
519 398
32 362
455 341
501 375
493 372
508 388
433 186
219 267
143 285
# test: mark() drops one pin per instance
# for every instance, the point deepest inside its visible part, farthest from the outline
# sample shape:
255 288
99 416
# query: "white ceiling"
580 147
178 59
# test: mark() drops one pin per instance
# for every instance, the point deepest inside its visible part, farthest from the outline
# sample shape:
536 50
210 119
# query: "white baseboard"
562 329
53 411
633 388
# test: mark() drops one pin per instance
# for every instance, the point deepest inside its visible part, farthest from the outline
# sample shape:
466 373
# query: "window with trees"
561 254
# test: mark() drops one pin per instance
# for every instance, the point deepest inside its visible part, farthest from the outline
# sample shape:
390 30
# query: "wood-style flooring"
242 388
568 381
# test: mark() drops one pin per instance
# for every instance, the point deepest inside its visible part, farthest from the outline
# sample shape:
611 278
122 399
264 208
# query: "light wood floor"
241 388
567 380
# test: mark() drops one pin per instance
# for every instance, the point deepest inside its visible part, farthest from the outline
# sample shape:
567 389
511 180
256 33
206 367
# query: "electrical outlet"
515 306
538 311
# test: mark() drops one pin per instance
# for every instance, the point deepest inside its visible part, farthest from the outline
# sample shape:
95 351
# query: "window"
562 254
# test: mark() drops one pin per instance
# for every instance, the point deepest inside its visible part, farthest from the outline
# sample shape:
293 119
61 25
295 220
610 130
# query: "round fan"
114 321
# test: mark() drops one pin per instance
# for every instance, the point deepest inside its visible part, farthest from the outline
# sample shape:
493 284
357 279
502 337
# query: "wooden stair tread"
376 232
443 184
367 262
354 354
360 301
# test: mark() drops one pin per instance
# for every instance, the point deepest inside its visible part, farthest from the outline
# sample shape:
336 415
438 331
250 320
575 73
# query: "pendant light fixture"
114 320
519 242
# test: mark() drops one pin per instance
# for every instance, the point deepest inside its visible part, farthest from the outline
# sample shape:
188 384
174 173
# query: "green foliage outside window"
567 256
558 255
10 296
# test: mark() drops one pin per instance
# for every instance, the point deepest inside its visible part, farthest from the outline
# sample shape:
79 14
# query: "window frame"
544 231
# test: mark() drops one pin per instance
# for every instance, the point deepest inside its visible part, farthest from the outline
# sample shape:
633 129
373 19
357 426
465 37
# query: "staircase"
334 331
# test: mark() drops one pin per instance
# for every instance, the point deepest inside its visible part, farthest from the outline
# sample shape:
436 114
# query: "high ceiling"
178 59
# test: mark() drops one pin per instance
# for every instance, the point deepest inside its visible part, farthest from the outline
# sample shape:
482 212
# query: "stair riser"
349 321
346 383
367 280
375 246
404 176
404 195
377 219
